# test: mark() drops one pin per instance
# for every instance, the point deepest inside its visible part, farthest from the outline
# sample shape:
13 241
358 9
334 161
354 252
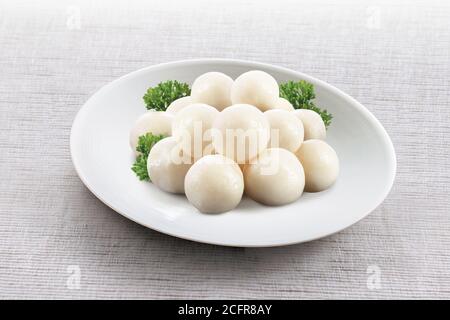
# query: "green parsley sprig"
300 94
162 95
145 144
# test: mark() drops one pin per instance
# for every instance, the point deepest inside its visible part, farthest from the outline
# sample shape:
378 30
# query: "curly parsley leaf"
140 168
147 141
161 96
145 144
300 94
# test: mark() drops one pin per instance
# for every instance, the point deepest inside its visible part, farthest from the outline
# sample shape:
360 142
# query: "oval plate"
102 158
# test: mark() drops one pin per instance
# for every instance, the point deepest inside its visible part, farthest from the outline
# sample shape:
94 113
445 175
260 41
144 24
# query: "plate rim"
386 139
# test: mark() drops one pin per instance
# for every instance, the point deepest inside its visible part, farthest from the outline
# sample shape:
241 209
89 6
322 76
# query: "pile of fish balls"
235 137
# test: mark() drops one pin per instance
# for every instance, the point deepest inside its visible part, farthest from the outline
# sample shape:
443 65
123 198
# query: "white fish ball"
179 104
320 163
167 167
286 130
240 132
257 88
214 184
275 178
191 127
213 88
313 124
283 104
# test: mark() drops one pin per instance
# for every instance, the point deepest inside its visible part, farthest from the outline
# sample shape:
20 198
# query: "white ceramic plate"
102 157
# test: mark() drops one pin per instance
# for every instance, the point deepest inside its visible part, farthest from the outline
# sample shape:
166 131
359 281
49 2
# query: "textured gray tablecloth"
58 241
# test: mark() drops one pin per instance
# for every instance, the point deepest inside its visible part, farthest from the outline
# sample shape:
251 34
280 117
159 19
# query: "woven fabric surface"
394 57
